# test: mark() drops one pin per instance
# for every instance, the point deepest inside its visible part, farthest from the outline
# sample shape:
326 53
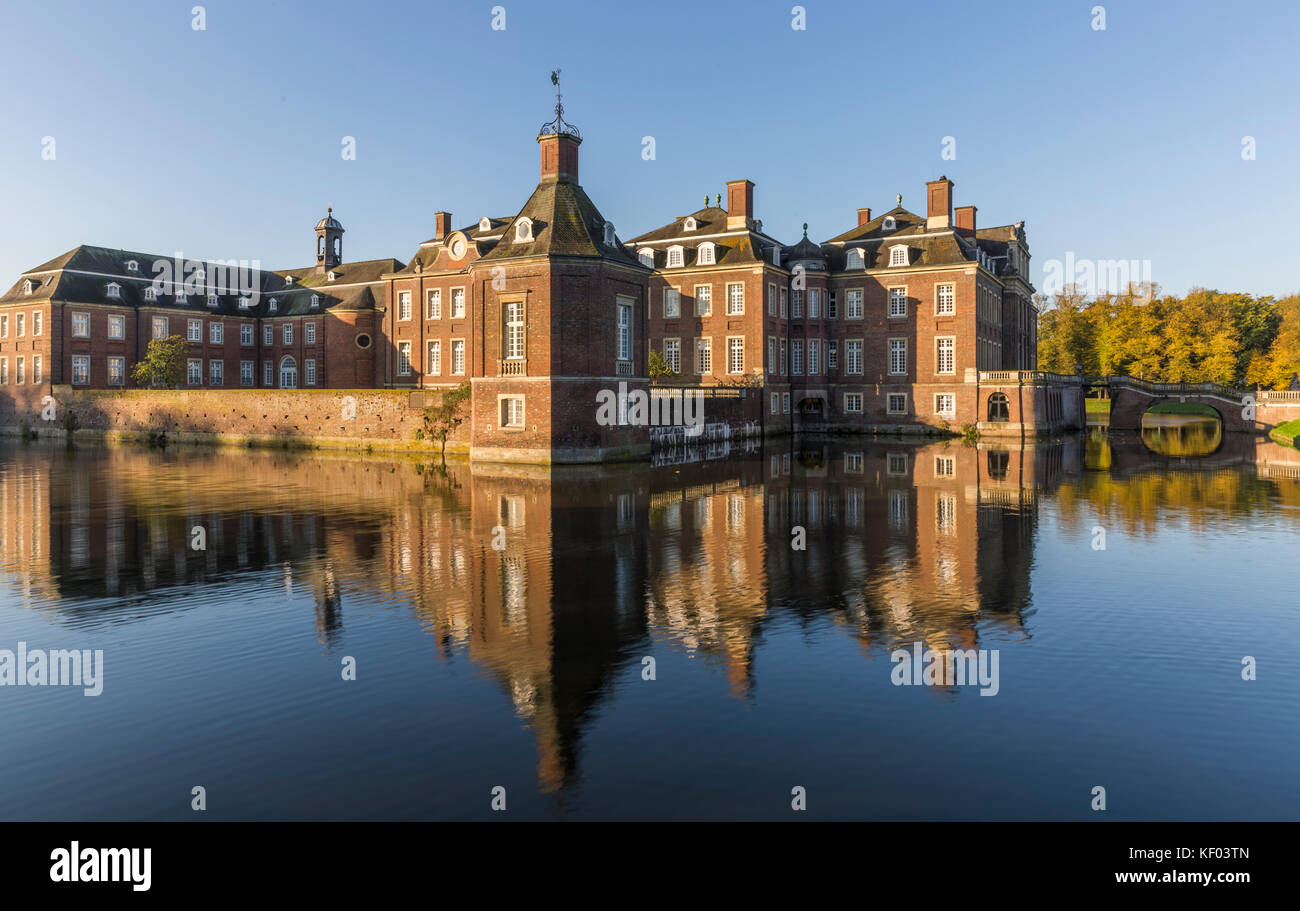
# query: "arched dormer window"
132 266
244 303
485 224
113 289
182 297
332 275
855 260
888 224
647 257
707 255
272 305
610 240
29 286
676 257
212 300
315 301
898 255
689 224
150 294
524 230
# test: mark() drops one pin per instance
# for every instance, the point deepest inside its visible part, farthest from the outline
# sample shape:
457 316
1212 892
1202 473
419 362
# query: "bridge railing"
1024 376
1216 389
1279 396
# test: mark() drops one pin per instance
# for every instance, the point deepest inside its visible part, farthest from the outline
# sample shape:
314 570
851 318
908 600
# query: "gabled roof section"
709 220
368 270
565 223
872 231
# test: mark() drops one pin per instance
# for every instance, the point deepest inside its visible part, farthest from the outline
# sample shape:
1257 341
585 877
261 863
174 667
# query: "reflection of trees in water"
1185 438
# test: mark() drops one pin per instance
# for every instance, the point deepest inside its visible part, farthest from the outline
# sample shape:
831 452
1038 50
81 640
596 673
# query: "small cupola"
329 242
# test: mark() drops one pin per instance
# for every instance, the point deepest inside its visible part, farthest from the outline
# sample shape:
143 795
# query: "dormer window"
290 279
132 266
647 257
609 234
150 294
888 224
29 286
898 255
272 305
331 276
212 300
524 230
855 260
675 257
113 289
484 224
182 297
707 255
776 254
315 301
243 303
689 224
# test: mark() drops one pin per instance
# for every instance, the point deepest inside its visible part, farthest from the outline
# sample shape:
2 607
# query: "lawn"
1287 433
1182 408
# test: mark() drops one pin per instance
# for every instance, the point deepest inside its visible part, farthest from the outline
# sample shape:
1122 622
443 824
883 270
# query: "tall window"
703 356
814 356
771 354
216 372
814 303
785 302
673 354
512 411
944 362
703 300
309 331
898 356
4 371
309 371
287 333
38 320
38 374
944 300
433 304
116 371
80 325
705 257
771 300
735 355
832 308
853 356
194 371
457 303
245 373
21 324
80 369
160 327
735 299
246 338
216 333
513 313
796 356
268 335
194 330
458 356
897 302
672 303
21 372
853 304
288 373
404 305
117 327
624 352
832 354
268 373
433 357
403 358
796 304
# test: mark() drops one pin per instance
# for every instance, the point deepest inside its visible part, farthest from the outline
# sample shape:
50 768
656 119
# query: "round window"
458 248
363 341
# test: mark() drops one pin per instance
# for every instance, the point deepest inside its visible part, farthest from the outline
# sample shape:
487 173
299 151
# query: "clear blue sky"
225 143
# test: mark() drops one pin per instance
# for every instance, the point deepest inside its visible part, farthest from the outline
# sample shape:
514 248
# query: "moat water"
692 639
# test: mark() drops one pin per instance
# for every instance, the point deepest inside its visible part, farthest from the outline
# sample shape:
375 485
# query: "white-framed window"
610 238
309 371
288 373
945 403
246 334
673 354
814 356
945 300
245 303
216 333
80 369
331 276
675 257
160 327
853 403
268 334
484 225
132 266
433 357
20 372
194 330
194 371
403 358
623 350
897 356
771 299
38 374
785 402
647 257
113 290
796 356
689 224
897 403
784 346
704 356
216 372
735 355
945 466
832 305
706 255
309 333
853 303
776 406
116 371
315 301
897 303
945 518
150 294
771 354
80 325
814 303
457 303
944 356
286 333
785 302
4 371
735 299
854 260
513 319
672 303
29 286
268 373
524 230
433 303
832 354
796 304
703 300
403 305
38 322
212 300
898 255
512 411
116 327
273 305
888 224
458 357
245 373
853 356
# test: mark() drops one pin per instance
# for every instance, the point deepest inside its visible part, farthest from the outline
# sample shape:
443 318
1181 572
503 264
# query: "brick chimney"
965 216
740 204
441 225
559 156
864 216
938 194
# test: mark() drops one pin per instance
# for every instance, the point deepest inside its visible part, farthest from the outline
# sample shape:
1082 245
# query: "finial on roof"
805 230
706 200
899 203
718 202
559 126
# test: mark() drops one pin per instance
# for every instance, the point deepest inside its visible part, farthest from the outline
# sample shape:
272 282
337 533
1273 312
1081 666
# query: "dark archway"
999 408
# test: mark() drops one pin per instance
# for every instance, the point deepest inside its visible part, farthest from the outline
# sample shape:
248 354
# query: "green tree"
450 412
163 363
659 368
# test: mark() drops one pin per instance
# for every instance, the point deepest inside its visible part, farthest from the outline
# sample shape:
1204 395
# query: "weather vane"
559 124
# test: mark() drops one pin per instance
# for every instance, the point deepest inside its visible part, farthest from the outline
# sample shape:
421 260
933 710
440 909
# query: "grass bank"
1287 434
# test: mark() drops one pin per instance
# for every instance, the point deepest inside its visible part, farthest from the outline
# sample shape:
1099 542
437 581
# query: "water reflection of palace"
558 582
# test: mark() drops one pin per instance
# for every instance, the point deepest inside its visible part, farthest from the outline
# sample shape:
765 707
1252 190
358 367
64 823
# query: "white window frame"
897 302
77 317
704 356
896 349
939 354
736 302
707 308
939 301
672 303
706 255
108 370
458 303
458 351
898 255
433 357
403 358
216 332
952 399
676 257
889 402
117 320
673 354
403 306
732 368
852 348
82 361
853 403
433 303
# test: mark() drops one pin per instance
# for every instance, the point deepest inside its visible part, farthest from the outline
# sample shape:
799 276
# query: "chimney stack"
441 225
938 194
965 216
864 216
740 204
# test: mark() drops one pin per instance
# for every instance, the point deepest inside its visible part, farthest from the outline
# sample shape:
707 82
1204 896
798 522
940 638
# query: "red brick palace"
898 322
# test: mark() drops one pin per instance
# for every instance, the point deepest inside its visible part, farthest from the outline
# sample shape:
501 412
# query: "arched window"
707 255
855 260
689 225
888 224
338 248
288 373
647 257
675 257
609 234
999 408
484 224
524 230
320 245
898 255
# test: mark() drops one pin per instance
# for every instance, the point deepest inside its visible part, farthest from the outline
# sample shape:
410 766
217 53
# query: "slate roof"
743 248
906 222
565 223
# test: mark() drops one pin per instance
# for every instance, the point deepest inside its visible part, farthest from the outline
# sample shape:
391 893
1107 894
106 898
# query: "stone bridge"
1130 398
